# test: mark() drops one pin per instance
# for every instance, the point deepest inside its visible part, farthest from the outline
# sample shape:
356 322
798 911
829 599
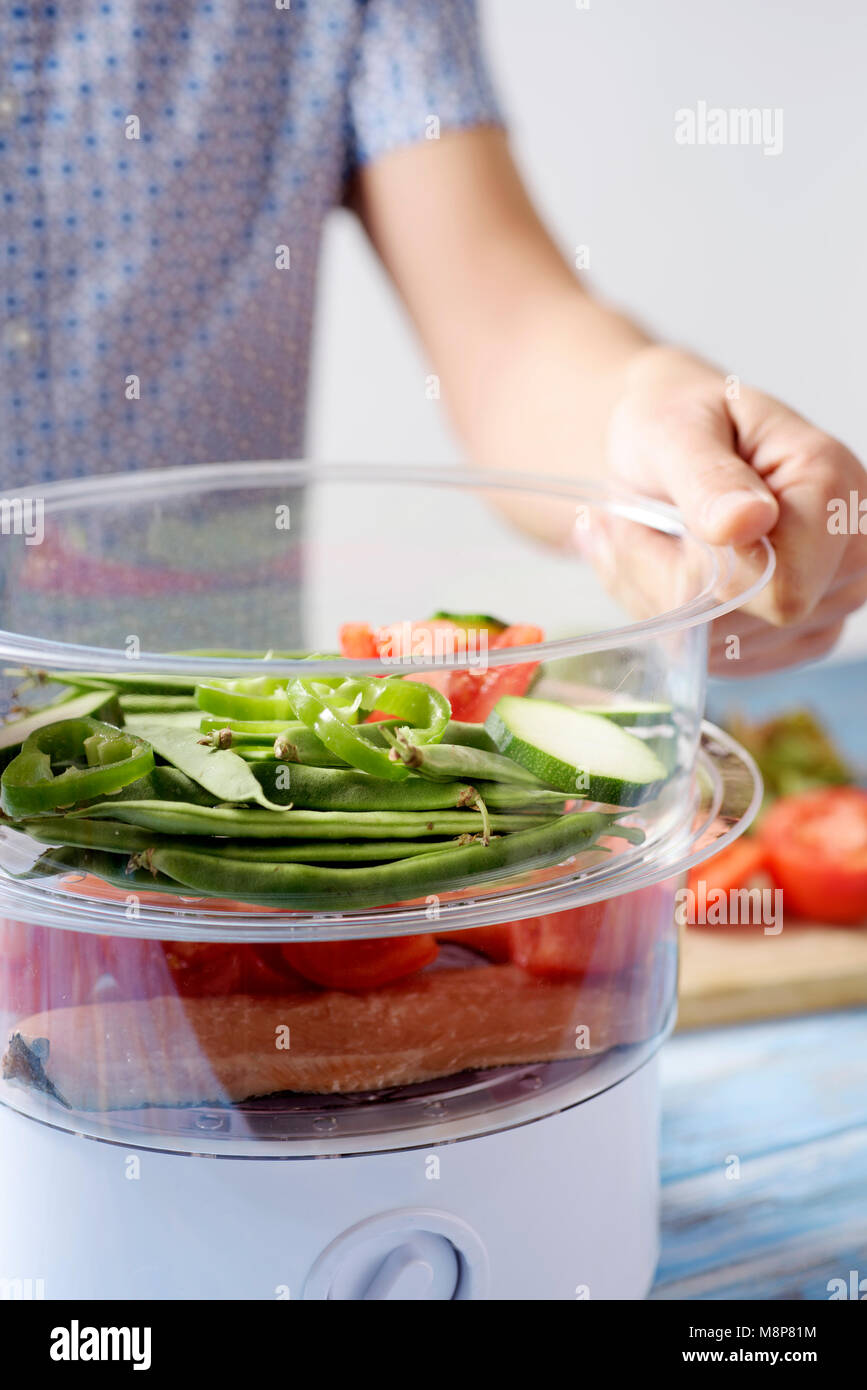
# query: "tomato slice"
734 867
599 939
355 965
471 694
816 847
357 639
201 969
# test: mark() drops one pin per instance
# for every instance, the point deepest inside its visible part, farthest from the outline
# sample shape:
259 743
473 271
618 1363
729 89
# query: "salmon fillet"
169 1051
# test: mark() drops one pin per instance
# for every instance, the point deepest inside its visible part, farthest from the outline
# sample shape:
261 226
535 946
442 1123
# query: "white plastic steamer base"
563 1207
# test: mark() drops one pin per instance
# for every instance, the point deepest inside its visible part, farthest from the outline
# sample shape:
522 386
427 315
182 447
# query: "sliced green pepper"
327 707
257 698
262 698
98 759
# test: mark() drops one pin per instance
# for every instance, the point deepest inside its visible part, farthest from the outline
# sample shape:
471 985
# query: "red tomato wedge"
472 694
201 969
816 847
736 866
599 939
358 965
357 639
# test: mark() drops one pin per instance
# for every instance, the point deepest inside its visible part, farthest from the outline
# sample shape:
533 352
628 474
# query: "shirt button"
17 335
8 107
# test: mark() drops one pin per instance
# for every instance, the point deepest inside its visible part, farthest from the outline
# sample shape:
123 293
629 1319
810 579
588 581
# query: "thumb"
723 499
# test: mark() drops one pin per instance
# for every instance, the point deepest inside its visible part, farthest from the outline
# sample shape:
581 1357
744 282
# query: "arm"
537 373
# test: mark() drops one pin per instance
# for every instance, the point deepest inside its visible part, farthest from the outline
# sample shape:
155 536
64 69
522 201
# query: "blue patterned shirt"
166 167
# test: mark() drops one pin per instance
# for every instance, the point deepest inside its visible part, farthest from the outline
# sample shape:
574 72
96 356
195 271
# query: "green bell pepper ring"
252 698
262 698
326 708
99 759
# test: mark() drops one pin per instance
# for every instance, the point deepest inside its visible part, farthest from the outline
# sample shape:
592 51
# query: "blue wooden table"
764 1159
764 1137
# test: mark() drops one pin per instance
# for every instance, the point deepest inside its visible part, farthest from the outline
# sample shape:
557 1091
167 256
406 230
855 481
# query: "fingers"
739 466
845 595
743 644
722 498
651 572
647 571
761 654
673 434
808 472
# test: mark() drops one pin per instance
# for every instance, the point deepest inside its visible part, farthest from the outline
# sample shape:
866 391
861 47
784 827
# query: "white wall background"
759 262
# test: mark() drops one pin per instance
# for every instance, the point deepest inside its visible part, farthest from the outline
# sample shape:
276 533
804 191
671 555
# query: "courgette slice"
90 702
585 754
632 714
470 622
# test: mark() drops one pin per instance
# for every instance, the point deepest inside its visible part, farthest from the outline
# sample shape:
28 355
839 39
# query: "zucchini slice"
585 754
632 714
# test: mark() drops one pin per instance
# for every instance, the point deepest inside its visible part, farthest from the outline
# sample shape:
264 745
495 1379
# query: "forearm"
539 396
529 362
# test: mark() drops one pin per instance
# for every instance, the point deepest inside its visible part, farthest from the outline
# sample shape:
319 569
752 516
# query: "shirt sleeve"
419 71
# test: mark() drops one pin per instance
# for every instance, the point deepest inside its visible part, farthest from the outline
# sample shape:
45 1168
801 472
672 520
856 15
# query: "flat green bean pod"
117 837
177 818
308 887
220 771
469 735
164 784
346 789
463 761
318 851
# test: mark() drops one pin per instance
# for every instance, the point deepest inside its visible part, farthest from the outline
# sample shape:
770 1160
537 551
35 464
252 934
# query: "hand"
739 465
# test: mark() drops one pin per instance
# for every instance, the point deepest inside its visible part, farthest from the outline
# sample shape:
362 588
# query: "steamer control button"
410 1255
424 1267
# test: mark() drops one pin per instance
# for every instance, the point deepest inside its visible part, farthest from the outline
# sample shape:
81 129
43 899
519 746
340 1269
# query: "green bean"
346 789
114 836
117 837
170 721
132 682
319 851
164 784
178 818
127 682
469 736
219 771
111 868
156 704
305 886
462 761
255 755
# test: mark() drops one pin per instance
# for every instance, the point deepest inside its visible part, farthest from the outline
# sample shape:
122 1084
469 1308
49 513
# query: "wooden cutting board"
732 974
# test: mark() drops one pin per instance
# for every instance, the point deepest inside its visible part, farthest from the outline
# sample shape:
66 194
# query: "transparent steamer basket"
120 1024
200 1047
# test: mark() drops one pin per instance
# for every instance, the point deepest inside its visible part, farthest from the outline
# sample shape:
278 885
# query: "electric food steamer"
492 1117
